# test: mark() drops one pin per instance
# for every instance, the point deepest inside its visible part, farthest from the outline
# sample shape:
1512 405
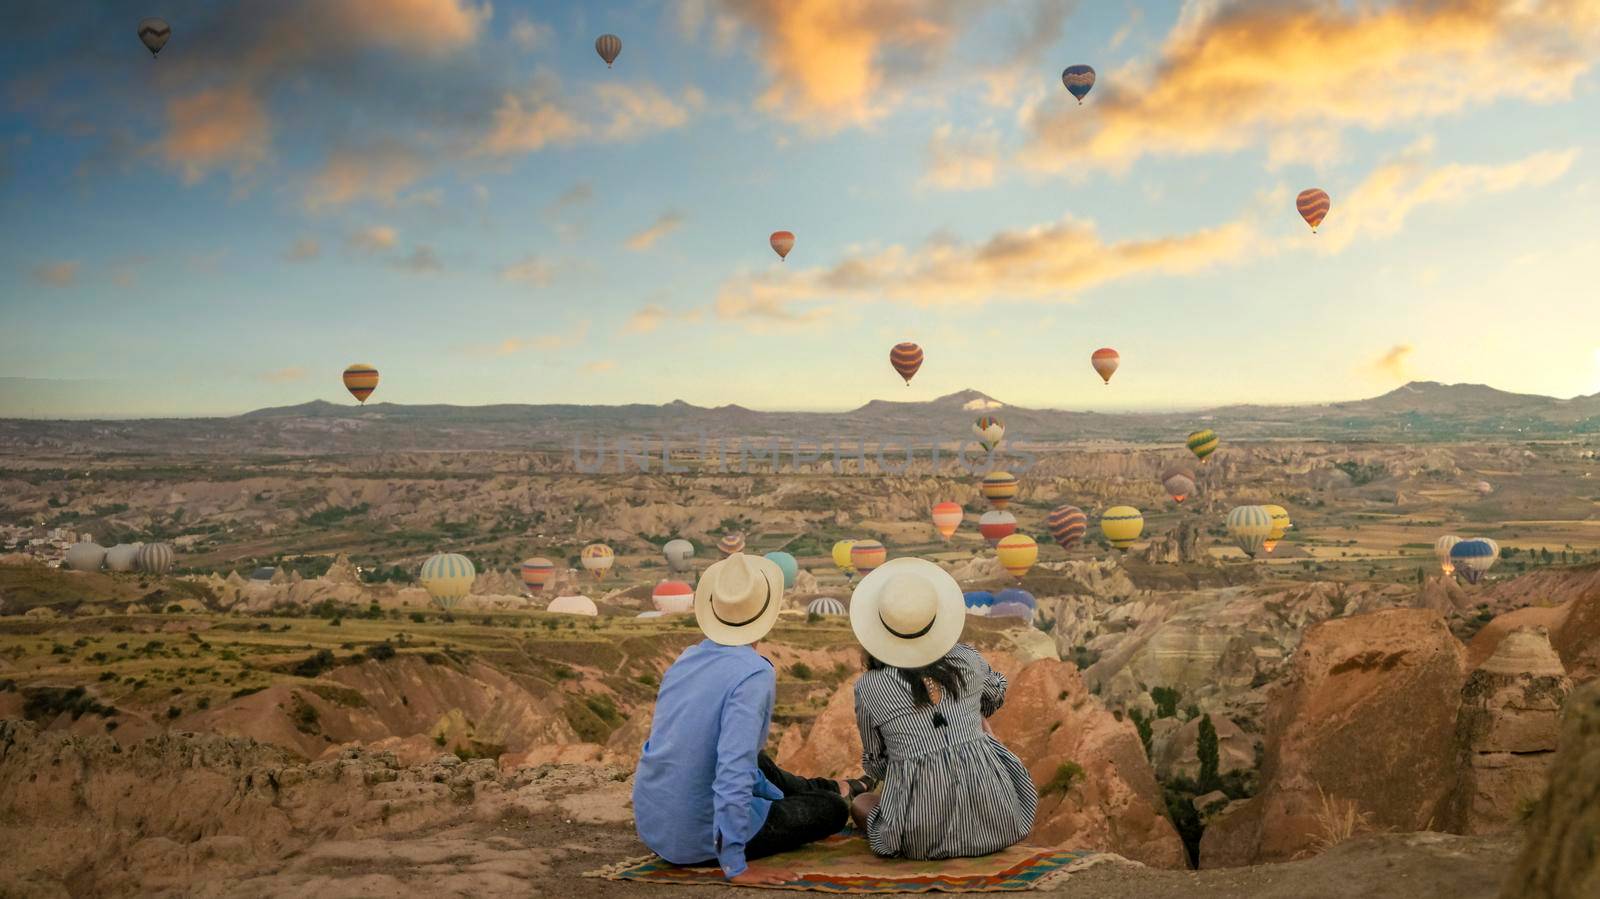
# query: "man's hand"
755 875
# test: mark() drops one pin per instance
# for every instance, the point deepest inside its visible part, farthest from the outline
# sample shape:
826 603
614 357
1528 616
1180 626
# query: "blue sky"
467 198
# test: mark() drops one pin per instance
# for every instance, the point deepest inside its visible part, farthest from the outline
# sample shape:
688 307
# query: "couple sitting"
937 784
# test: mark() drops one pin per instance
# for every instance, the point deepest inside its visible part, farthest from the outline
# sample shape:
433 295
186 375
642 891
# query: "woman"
949 788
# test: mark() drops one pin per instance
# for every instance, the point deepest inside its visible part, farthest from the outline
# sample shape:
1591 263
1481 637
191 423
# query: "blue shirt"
698 793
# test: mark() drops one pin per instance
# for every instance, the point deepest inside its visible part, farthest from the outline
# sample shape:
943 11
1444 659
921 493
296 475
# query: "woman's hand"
986 728
763 875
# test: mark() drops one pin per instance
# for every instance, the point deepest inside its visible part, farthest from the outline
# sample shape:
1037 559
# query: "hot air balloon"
989 431
84 557
1484 488
996 524
827 606
1202 443
998 488
536 572
447 577
361 379
841 558
1067 525
906 359
680 555
1178 486
946 518
1105 361
608 46
1121 525
1313 205
598 558
1017 553
673 597
155 558
866 555
786 564
782 242
1280 523
123 557
1249 526
1441 551
730 544
153 33
978 602
1014 602
1472 559
1079 80
573 605
1494 548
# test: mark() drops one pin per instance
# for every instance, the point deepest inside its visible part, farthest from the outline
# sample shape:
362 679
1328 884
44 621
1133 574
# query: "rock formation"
1560 859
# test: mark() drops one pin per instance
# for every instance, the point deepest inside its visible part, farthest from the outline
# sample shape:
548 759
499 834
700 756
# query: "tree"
1206 749
1166 699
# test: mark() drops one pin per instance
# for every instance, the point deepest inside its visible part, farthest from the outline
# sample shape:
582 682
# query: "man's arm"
745 715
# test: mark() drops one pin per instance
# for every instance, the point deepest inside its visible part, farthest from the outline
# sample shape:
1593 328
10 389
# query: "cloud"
962 162
375 239
530 35
1046 263
1381 203
421 260
1035 34
599 365
544 115
285 375
373 171
1293 73
1396 362
304 250
665 223
528 270
547 343
576 195
216 128
645 320
56 274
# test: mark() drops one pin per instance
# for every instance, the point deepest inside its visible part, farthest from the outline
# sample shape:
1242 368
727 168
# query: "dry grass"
1337 821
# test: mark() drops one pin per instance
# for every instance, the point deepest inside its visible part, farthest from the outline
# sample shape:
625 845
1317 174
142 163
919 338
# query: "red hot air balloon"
906 359
997 524
1105 361
1313 205
782 242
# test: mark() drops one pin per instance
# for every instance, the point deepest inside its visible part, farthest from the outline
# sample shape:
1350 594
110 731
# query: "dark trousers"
811 808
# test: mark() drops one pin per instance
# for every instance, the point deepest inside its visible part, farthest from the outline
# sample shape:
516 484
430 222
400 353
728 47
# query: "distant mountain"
1419 411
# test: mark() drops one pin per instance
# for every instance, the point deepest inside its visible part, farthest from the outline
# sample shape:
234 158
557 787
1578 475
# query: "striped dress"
949 790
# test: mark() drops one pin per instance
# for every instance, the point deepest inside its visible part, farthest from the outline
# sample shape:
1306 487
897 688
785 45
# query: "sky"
463 195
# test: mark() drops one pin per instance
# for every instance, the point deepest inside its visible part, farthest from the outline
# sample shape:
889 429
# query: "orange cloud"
1396 362
216 128
374 239
646 320
377 171
421 260
285 375
665 224
529 270
962 162
599 366
57 274
511 346
1252 72
544 116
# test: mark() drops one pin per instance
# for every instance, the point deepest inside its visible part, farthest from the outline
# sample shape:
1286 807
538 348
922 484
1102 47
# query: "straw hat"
738 599
908 612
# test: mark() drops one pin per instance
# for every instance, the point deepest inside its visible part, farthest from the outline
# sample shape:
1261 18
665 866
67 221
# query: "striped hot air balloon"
1441 551
866 555
996 524
598 558
782 242
1249 526
730 544
1067 525
1280 524
536 572
361 379
998 488
1121 525
989 431
906 359
1079 80
1105 361
978 602
841 557
155 558
1473 559
946 518
608 46
673 597
827 606
447 577
1013 602
1313 205
1202 443
1017 553
153 33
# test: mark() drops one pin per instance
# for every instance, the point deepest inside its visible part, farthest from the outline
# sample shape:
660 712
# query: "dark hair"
942 672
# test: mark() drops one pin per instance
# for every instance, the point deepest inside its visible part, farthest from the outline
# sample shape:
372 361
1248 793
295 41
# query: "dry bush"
1337 821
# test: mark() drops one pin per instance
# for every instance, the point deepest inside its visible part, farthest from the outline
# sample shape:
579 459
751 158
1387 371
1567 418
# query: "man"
704 790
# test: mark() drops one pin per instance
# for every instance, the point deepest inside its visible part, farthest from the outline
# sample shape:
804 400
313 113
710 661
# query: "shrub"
380 652
1166 699
41 704
1143 725
1067 775
801 671
418 617
304 715
173 712
314 664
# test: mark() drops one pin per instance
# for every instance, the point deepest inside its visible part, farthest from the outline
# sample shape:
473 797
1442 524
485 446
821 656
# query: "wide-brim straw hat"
908 612
738 599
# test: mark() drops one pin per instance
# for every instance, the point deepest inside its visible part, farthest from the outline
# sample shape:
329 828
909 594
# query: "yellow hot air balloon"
841 557
1121 525
598 558
998 487
1280 523
1017 553
361 379
447 577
